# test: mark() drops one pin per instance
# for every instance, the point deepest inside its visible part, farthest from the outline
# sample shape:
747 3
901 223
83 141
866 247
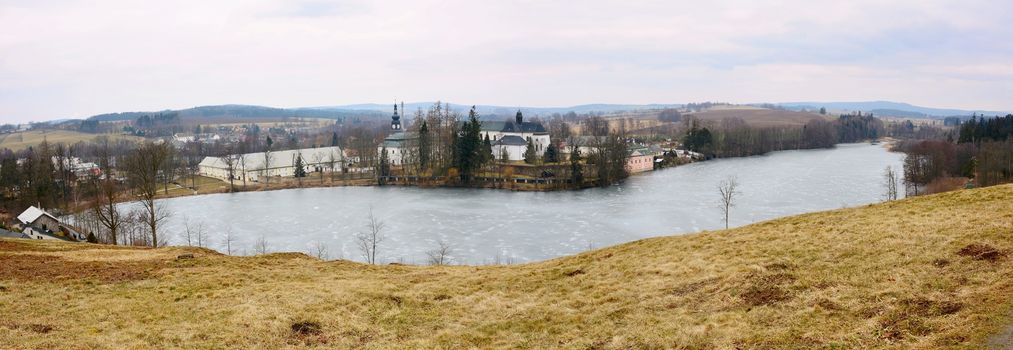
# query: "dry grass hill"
923 273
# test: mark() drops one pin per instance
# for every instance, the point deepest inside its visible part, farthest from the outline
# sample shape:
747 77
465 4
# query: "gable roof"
511 140
32 213
279 159
511 126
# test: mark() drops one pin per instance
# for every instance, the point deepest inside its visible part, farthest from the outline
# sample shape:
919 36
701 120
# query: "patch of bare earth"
982 252
30 267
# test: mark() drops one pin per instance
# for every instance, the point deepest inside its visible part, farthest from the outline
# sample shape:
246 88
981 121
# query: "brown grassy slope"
759 117
22 140
928 272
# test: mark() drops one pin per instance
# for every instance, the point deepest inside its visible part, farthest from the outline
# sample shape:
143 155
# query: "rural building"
251 166
36 223
640 160
38 218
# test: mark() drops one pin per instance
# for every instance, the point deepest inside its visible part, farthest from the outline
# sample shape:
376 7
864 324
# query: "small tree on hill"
370 240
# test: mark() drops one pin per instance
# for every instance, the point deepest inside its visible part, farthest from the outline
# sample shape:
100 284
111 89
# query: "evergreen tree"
551 154
487 150
530 156
425 146
468 154
383 169
576 170
92 238
300 169
334 139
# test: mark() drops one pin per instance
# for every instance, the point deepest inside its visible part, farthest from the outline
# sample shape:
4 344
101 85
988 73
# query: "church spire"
395 122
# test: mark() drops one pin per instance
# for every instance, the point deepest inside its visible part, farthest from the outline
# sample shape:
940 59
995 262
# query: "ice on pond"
485 225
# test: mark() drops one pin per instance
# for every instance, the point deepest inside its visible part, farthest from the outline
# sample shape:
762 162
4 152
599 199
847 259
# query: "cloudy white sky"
67 58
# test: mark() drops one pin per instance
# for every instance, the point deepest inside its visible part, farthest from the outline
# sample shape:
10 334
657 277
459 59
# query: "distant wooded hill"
244 112
881 108
887 108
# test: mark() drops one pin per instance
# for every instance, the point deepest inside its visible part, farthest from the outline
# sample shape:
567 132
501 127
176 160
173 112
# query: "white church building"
510 138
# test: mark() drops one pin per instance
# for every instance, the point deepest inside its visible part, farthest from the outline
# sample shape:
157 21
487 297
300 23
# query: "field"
923 273
21 140
759 117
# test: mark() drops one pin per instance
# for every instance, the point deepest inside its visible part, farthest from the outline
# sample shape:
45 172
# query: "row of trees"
733 137
983 152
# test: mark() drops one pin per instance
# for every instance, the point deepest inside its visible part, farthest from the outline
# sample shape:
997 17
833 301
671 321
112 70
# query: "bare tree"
267 164
261 245
890 181
370 240
318 160
228 241
332 162
728 189
195 234
242 165
320 250
105 200
143 167
441 254
231 160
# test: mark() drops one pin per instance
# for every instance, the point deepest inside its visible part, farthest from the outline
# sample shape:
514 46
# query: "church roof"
279 159
511 140
398 139
511 126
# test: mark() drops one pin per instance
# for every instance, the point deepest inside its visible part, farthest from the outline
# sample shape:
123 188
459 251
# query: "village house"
640 160
38 218
251 166
36 223
80 168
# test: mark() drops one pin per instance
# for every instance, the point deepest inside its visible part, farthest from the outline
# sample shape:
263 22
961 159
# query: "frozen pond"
525 226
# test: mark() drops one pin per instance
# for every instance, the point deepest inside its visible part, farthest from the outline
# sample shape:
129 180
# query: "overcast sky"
70 58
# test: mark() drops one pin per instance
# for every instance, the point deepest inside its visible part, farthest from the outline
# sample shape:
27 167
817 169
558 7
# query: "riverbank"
926 272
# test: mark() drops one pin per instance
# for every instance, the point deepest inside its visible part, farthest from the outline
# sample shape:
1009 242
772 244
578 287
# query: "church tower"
395 122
